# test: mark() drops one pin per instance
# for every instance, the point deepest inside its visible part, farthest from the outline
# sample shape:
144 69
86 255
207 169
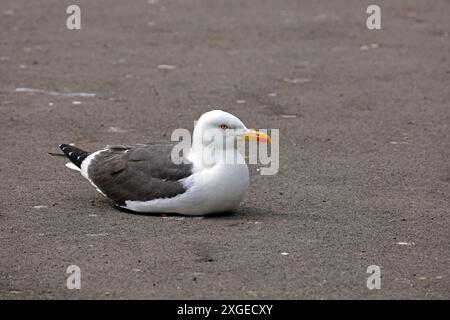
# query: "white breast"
219 188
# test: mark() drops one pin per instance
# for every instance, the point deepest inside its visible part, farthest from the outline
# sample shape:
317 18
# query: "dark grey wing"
139 173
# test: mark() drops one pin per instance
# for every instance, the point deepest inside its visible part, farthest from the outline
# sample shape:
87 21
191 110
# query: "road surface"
364 175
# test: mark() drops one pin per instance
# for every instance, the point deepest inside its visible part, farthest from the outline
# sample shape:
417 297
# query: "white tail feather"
70 165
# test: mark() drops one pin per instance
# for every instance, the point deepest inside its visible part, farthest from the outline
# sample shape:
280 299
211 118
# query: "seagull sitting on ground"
144 178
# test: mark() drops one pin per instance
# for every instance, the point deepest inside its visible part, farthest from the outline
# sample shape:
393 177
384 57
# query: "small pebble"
166 67
297 80
403 243
116 130
96 234
40 207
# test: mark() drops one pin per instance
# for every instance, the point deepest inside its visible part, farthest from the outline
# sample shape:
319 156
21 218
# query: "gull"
144 177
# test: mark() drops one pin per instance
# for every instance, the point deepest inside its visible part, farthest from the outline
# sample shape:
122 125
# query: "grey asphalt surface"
364 147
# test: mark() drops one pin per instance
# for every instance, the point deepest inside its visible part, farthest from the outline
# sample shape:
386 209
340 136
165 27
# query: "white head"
224 128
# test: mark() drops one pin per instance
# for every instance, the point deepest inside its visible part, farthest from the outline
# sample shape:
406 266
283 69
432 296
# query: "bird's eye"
224 127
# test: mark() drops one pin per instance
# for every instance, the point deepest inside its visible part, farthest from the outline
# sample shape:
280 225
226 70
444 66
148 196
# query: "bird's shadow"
238 213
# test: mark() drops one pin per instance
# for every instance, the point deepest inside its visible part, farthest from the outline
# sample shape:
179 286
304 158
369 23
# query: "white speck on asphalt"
54 93
96 234
166 67
116 130
404 243
252 293
288 116
297 80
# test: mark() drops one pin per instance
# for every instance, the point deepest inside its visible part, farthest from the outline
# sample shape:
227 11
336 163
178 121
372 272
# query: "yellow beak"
251 134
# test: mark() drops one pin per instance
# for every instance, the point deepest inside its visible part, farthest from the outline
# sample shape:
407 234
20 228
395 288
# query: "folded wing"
138 173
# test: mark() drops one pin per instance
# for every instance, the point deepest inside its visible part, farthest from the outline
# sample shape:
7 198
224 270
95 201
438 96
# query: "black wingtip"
76 155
